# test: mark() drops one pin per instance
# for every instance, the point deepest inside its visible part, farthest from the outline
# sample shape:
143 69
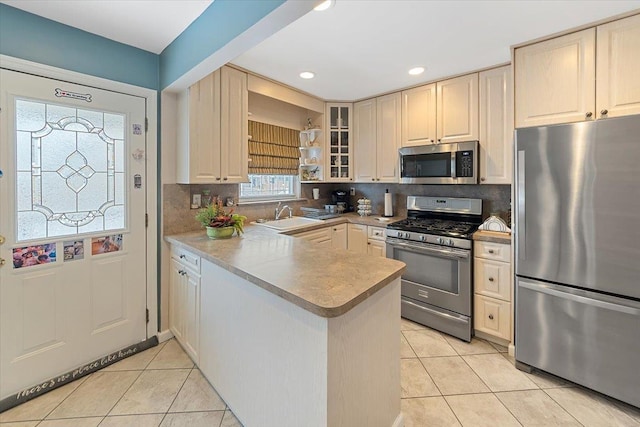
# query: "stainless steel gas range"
435 244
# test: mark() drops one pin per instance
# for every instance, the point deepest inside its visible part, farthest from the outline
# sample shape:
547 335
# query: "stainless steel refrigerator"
577 259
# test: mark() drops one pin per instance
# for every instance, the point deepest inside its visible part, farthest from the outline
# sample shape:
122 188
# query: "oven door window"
434 165
430 270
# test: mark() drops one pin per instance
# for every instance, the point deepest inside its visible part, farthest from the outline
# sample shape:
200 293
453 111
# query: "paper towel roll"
388 204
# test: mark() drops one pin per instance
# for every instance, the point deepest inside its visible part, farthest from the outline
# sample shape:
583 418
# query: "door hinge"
146 124
147 314
146 220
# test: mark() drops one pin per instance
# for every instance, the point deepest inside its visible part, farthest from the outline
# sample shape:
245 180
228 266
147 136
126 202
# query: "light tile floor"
445 382
158 387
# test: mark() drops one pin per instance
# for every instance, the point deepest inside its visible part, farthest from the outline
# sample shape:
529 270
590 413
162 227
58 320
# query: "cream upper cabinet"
618 68
364 140
234 135
377 138
496 126
339 145
419 116
555 80
198 151
388 137
215 147
457 109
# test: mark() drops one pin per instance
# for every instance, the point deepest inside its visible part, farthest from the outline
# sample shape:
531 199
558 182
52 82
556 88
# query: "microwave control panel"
464 164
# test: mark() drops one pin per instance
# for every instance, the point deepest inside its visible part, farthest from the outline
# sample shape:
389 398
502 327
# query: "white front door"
72 214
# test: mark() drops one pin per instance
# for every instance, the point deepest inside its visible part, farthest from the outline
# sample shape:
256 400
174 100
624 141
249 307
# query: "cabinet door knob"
373 179
491 251
2 261
604 112
491 279
182 256
225 178
589 114
1 240
439 140
491 316
483 179
218 179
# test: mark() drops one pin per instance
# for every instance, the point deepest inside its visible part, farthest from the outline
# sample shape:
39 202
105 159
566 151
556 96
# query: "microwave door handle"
453 164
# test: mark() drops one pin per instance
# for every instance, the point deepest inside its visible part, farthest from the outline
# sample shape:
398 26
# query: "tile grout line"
563 408
86 378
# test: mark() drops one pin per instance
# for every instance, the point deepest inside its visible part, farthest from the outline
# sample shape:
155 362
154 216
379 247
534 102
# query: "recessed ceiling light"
307 75
416 70
324 5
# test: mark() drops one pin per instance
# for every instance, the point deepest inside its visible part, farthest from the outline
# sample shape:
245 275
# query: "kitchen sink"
288 224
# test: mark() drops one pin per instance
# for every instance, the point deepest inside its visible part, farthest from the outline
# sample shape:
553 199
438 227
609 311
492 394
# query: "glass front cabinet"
339 158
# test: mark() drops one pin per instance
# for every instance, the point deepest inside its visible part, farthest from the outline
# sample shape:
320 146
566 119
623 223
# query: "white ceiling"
358 48
148 25
363 48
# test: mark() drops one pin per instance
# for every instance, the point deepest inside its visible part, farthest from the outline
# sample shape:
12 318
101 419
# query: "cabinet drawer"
317 236
186 258
492 278
492 316
376 233
494 251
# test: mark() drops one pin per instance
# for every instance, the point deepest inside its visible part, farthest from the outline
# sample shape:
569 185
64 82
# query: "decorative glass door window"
70 171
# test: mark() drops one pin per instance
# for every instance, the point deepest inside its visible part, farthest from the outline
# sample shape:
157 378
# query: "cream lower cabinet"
213 147
377 138
320 236
339 236
184 300
457 109
357 238
376 242
496 126
493 286
586 75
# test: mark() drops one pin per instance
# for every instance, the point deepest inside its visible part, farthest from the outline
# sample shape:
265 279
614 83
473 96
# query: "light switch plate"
196 200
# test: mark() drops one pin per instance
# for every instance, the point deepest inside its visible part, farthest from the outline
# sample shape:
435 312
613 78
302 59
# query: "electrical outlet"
352 191
196 201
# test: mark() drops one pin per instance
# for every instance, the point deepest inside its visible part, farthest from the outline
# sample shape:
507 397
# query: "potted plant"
219 223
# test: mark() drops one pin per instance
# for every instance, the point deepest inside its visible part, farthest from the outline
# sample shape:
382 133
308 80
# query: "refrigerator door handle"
557 291
521 207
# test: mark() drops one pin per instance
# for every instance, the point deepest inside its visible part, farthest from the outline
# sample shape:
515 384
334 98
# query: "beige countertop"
325 282
492 236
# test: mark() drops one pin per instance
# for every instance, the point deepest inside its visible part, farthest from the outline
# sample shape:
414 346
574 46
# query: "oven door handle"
457 254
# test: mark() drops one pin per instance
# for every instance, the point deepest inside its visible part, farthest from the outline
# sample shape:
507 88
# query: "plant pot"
220 232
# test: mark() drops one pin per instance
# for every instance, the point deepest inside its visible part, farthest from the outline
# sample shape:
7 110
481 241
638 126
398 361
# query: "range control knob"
439 240
407 235
449 242
423 238
399 233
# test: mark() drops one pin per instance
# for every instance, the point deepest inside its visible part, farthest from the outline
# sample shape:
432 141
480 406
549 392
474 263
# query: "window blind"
273 150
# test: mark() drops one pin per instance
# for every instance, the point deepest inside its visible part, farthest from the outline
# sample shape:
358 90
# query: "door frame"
151 96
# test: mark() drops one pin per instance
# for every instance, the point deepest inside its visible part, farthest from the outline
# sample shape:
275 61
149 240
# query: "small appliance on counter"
341 199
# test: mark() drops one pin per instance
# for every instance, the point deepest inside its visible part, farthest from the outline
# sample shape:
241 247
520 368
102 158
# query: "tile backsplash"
178 217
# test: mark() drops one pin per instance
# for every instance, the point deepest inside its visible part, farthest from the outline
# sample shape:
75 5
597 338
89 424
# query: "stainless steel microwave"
455 163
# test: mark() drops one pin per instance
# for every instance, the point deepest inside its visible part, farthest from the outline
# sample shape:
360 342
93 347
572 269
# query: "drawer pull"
491 279
183 256
491 316
491 251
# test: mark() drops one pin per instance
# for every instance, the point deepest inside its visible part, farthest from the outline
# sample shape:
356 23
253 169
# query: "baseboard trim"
51 384
512 350
165 335
399 422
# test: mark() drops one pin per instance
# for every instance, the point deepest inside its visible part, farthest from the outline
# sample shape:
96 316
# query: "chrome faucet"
279 211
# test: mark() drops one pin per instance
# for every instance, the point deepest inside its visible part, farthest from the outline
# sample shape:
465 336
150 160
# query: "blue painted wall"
31 37
215 27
